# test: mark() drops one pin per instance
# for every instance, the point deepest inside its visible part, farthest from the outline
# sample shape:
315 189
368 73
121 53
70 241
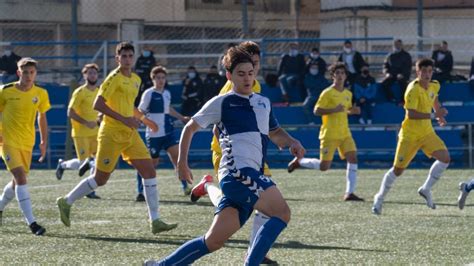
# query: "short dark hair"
234 56
250 47
158 69
315 49
347 41
444 42
124 46
424 62
336 66
89 66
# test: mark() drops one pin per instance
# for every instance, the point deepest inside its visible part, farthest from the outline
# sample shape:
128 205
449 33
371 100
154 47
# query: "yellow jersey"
256 88
19 110
82 102
119 93
420 100
335 125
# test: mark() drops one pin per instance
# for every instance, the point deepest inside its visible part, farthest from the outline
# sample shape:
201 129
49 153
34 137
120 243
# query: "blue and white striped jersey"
244 123
156 106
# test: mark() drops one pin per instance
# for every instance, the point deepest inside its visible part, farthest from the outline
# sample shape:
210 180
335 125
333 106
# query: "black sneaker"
37 229
140 198
92 195
59 170
267 261
85 166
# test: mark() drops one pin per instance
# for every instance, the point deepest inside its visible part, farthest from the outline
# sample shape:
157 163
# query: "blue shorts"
242 192
155 145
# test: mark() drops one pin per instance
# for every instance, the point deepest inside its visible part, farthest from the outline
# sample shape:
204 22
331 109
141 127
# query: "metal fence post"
105 58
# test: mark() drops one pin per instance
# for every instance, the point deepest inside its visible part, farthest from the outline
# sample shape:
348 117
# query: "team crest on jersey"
34 100
137 85
400 158
82 151
7 157
106 161
260 103
431 95
325 151
152 150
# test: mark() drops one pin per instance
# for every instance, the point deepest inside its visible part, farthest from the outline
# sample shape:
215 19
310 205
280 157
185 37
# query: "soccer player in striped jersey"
421 97
155 104
117 136
84 120
245 123
20 103
334 105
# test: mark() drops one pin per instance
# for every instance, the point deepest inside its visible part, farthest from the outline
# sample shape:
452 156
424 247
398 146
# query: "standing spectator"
353 60
212 84
145 62
443 60
291 71
397 67
315 58
8 65
192 91
365 89
314 83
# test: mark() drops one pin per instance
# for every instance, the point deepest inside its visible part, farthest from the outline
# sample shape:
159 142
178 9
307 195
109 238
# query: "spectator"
145 62
365 90
8 65
315 58
353 60
314 83
471 74
212 84
291 71
192 91
443 60
397 67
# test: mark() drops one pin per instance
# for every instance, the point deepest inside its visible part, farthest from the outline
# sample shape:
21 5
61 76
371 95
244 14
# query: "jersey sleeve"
75 100
411 98
323 101
144 105
272 122
44 104
210 113
108 88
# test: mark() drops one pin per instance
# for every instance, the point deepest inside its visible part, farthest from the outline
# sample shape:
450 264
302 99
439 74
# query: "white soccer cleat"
463 195
149 263
377 207
426 194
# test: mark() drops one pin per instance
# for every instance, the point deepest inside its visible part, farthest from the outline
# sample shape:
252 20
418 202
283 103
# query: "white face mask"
347 50
191 75
314 56
7 52
146 53
314 71
293 52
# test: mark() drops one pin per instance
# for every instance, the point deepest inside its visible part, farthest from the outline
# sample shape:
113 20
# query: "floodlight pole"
74 31
420 27
245 22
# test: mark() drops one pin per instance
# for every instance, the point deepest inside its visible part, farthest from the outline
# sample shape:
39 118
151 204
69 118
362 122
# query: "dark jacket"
292 65
358 60
398 63
315 84
212 85
322 66
364 87
446 65
8 63
143 68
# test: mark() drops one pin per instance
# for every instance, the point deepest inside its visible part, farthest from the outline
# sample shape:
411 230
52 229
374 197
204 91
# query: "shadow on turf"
170 202
424 204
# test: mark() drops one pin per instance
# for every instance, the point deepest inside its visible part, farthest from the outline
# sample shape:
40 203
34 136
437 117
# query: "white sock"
436 170
71 164
312 163
23 197
92 163
86 186
92 170
351 176
151 197
215 194
258 221
7 196
387 183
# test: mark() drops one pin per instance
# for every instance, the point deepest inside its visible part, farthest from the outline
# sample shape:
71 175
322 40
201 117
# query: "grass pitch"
323 229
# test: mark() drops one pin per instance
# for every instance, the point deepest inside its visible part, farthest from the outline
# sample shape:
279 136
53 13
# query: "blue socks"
266 236
139 184
184 185
187 253
470 185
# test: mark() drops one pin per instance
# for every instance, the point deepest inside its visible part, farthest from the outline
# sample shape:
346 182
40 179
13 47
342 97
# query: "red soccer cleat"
200 189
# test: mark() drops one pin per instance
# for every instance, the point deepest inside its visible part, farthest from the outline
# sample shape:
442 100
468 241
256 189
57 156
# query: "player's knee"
284 214
398 171
101 181
324 167
214 243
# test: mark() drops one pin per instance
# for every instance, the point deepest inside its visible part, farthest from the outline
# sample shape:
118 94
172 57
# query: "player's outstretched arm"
187 134
440 112
282 139
99 105
324 111
74 116
415 115
177 115
147 122
43 129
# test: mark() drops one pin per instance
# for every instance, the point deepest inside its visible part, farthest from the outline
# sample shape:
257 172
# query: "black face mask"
365 72
91 82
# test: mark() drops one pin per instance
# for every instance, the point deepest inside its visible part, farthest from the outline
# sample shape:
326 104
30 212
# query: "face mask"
293 52
146 53
347 50
396 49
191 75
365 72
314 56
7 52
314 71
